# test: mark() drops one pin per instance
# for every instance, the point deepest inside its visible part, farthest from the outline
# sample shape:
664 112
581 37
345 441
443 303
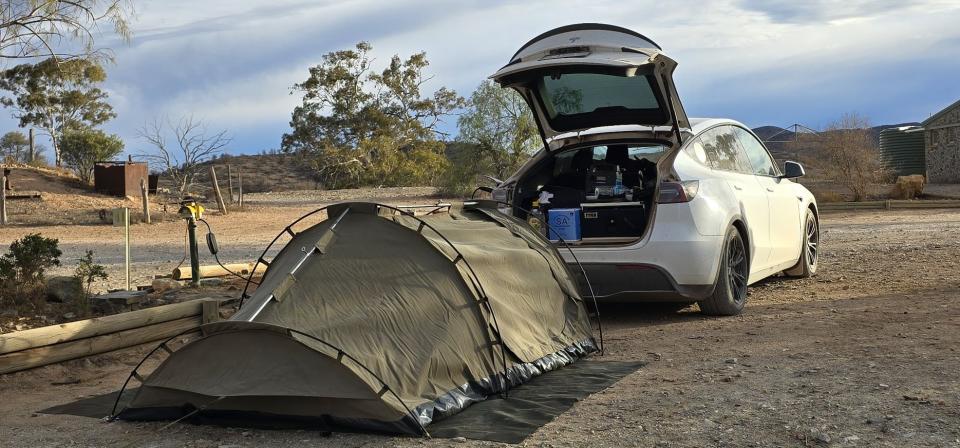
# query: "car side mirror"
792 170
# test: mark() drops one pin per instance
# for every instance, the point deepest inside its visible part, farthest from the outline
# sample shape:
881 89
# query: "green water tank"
902 150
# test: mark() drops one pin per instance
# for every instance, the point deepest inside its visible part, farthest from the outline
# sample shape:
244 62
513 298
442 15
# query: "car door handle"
737 187
770 189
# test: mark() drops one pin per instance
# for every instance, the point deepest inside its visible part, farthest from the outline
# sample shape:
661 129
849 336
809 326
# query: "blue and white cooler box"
564 223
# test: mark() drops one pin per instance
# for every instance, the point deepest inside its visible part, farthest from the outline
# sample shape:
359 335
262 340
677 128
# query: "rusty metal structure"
119 178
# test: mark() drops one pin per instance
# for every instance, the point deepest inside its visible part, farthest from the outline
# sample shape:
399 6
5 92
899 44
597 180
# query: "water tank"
902 150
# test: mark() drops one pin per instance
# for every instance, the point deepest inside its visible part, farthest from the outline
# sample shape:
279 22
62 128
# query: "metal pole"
194 252
126 242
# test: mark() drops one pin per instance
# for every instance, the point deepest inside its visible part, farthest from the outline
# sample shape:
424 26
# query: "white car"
655 206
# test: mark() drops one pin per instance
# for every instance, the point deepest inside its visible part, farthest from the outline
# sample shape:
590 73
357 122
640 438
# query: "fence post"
216 190
146 202
30 159
240 186
3 200
230 183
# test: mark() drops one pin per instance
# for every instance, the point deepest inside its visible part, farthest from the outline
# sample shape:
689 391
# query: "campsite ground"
864 354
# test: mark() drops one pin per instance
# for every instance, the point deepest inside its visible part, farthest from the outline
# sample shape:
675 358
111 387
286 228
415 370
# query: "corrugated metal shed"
902 150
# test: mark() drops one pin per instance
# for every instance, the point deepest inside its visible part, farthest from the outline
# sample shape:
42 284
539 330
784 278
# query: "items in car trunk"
604 181
613 220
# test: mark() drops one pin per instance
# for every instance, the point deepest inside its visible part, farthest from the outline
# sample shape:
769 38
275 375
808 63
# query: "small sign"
121 216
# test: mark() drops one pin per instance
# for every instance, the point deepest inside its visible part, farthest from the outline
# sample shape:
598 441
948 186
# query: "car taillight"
676 192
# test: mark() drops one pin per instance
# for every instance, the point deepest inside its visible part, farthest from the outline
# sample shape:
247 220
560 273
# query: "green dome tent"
374 320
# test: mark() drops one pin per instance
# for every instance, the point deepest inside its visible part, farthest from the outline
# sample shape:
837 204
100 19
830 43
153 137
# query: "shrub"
22 269
87 272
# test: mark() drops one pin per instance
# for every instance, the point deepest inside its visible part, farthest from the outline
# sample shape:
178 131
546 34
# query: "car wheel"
730 291
807 265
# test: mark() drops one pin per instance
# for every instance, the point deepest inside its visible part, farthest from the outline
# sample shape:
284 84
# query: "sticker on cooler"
564 224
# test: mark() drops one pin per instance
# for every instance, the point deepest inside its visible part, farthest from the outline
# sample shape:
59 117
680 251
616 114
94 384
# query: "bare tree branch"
37 28
194 145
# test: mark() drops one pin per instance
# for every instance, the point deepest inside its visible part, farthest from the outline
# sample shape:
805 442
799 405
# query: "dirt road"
864 354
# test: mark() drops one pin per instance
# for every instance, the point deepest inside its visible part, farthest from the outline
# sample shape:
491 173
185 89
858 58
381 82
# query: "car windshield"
585 100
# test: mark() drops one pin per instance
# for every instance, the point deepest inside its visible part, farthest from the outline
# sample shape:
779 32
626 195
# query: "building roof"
941 113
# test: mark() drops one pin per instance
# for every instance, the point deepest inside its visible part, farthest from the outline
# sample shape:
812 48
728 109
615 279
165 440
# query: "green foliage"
64 29
497 135
57 95
88 272
82 148
15 146
23 266
463 170
369 128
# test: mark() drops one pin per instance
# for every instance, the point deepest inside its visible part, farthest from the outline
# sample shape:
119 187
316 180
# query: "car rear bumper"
677 261
635 283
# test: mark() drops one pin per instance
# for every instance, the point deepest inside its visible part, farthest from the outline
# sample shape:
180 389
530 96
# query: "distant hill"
263 172
776 138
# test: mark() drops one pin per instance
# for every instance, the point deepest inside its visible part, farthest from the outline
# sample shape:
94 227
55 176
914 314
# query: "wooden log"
3 200
41 356
230 183
72 331
146 201
216 190
209 271
24 194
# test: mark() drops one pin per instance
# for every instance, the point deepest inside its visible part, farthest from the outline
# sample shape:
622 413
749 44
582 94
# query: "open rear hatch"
585 79
608 93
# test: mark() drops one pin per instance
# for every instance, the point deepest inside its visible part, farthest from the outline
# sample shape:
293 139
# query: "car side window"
760 160
721 150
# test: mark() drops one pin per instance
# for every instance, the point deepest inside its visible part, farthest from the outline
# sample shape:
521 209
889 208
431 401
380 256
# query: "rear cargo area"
601 194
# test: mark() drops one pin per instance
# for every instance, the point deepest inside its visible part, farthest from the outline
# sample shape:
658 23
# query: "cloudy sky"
773 62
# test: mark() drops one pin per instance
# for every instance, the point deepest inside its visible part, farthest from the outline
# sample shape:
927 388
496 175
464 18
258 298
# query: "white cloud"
232 63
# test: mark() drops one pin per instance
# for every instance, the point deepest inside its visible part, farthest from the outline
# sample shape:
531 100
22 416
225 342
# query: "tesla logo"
574 39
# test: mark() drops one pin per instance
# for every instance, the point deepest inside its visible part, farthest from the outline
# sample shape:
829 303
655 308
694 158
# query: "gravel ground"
158 248
863 354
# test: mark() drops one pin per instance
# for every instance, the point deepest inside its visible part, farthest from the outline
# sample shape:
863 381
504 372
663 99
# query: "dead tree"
183 158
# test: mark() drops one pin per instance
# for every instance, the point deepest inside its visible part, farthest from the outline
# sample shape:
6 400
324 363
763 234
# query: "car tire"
730 291
810 253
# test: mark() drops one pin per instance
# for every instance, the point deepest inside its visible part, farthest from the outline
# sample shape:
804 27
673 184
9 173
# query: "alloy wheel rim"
813 240
737 269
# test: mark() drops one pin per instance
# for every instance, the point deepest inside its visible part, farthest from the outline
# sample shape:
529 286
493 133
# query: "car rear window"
585 100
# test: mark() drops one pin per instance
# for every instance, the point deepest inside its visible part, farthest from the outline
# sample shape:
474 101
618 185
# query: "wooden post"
31 155
230 183
146 201
240 186
126 243
3 200
216 190
210 312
